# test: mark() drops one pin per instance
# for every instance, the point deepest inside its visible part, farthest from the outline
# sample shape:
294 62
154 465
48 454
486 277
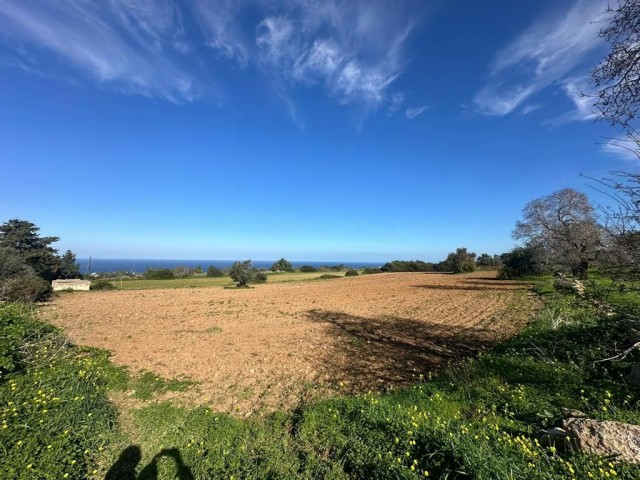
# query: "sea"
138 266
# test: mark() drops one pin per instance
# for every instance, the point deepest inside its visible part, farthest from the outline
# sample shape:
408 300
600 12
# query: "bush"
370 271
158 274
520 262
182 271
242 273
282 265
459 261
259 277
308 269
327 276
25 288
214 272
101 285
351 273
408 266
332 268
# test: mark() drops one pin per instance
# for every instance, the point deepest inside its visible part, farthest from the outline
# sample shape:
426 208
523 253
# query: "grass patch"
56 419
213 330
149 384
204 282
477 418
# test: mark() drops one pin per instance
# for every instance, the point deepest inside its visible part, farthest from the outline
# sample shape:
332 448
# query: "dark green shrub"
407 266
242 273
332 268
308 269
459 261
213 272
25 288
259 277
327 276
521 262
370 271
101 285
351 273
158 274
282 265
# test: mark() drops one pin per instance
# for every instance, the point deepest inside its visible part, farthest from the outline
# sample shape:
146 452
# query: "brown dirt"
276 345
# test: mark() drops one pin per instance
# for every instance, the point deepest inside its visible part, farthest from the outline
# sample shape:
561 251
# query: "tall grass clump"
56 418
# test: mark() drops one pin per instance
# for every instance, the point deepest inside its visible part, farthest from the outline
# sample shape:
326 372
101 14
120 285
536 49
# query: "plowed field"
275 345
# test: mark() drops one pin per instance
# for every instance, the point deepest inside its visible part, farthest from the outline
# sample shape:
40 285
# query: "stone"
605 438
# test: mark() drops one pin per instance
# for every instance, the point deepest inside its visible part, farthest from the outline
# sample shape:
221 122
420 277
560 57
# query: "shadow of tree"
479 284
125 466
379 353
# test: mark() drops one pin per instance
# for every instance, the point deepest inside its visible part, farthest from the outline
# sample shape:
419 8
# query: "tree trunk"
581 271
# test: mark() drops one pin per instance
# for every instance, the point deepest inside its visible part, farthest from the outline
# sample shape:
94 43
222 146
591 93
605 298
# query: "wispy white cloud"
413 112
125 43
579 92
396 102
547 51
527 109
624 148
354 49
219 22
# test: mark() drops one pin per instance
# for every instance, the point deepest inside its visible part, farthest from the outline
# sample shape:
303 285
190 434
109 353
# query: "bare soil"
276 345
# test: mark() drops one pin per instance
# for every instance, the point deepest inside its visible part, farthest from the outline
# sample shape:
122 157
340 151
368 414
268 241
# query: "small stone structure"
72 284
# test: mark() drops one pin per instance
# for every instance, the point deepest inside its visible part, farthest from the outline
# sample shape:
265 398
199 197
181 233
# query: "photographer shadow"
125 467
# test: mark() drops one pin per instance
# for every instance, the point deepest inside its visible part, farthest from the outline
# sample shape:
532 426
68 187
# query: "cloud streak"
623 148
178 50
545 53
413 112
353 49
131 45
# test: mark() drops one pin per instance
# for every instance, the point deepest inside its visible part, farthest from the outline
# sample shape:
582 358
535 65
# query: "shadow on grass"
379 353
125 467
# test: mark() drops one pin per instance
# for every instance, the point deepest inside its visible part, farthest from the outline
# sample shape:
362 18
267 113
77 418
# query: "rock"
605 438
571 413
633 378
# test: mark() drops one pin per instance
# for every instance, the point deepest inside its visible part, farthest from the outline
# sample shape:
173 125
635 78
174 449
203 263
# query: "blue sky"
335 130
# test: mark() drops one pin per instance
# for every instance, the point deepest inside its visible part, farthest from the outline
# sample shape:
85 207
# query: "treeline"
460 261
28 263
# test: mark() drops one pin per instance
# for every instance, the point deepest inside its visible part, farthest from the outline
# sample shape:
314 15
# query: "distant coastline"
101 265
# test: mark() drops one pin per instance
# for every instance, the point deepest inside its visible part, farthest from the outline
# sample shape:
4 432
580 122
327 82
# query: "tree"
618 76
618 102
460 261
242 273
22 236
521 262
487 261
68 268
282 265
18 281
621 255
564 228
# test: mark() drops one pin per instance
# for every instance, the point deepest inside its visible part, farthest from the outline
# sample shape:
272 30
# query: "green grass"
475 419
200 282
57 421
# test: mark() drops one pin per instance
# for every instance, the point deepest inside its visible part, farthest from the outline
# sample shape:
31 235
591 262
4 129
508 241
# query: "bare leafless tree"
621 222
618 76
563 225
